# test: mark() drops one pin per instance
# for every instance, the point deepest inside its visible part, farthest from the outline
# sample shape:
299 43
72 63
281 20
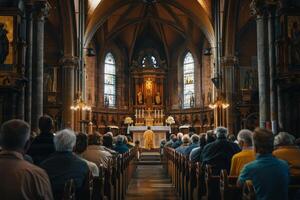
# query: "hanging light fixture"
79 104
219 103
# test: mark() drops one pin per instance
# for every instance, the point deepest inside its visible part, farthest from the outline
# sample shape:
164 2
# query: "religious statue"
106 101
157 99
148 138
4 44
192 101
249 80
140 97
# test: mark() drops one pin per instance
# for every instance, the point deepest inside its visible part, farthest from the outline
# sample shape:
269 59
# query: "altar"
160 133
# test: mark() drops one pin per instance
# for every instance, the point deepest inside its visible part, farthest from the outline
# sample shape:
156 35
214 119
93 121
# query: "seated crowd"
265 159
39 167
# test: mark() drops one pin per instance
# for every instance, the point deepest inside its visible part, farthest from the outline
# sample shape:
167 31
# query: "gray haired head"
284 139
186 138
195 139
221 132
245 135
64 140
120 139
179 136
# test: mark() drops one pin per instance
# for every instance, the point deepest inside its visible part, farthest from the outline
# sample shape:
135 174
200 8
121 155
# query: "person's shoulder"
282 163
33 170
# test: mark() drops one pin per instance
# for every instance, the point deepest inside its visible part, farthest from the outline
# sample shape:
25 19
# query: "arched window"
188 81
149 61
109 81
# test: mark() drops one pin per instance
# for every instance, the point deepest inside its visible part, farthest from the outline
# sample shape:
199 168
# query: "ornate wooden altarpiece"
148 82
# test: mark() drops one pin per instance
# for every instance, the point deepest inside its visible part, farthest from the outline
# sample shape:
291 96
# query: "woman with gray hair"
64 165
285 149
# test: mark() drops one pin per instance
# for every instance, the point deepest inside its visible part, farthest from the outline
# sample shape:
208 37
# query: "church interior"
149 73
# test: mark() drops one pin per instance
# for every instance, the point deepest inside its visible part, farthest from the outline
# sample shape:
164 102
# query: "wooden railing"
194 181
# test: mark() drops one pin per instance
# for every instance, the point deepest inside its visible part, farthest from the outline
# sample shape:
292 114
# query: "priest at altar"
148 138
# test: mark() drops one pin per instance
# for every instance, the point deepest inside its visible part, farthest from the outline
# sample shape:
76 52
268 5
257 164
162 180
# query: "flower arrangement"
128 120
170 120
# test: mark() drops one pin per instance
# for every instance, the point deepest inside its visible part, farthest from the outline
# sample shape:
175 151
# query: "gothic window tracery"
109 80
188 80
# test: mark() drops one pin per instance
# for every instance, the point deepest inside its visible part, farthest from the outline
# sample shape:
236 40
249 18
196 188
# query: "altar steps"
149 158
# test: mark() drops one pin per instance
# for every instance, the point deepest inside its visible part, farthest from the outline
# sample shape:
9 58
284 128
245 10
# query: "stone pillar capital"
260 7
69 61
41 8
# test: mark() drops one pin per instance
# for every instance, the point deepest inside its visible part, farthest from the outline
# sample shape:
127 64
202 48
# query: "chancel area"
150 99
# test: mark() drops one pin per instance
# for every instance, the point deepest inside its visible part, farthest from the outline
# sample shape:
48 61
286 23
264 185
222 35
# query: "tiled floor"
151 182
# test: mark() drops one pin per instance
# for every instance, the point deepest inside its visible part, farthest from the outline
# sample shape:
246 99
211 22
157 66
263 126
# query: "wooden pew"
228 187
248 191
192 183
212 184
69 191
294 187
98 185
200 186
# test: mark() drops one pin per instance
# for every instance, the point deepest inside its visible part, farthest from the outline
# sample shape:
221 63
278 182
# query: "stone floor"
151 182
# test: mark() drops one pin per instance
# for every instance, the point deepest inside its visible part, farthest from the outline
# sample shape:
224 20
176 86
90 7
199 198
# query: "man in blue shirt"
269 175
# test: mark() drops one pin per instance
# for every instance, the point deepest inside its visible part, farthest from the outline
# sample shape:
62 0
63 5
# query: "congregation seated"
185 144
80 147
107 141
178 142
246 155
195 154
288 151
19 178
120 145
194 144
95 152
42 145
64 165
269 175
218 154
171 141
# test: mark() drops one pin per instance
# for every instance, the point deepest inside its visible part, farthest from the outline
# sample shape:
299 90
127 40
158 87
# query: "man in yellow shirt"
148 138
285 149
246 155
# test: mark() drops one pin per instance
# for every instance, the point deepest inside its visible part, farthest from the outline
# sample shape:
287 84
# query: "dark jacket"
188 150
219 154
63 166
41 147
121 148
176 144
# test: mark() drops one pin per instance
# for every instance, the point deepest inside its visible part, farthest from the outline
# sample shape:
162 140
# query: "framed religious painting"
6 42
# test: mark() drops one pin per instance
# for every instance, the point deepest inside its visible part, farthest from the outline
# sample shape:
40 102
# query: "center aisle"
150 181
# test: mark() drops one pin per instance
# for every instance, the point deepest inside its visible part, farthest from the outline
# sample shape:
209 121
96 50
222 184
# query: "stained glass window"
110 81
188 81
149 61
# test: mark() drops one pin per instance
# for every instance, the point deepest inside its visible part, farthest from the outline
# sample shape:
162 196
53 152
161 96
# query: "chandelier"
219 103
79 104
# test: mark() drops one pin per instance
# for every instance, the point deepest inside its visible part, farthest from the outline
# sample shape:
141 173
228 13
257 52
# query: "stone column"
228 66
259 11
272 71
68 89
41 9
28 69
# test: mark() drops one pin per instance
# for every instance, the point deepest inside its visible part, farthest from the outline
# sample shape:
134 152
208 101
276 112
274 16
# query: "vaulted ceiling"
168 22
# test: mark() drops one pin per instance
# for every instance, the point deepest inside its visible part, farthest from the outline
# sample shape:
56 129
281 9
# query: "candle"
136 113
143 112
154 113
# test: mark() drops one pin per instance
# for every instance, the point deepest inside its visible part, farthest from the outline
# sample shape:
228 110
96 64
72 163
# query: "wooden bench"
228 187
